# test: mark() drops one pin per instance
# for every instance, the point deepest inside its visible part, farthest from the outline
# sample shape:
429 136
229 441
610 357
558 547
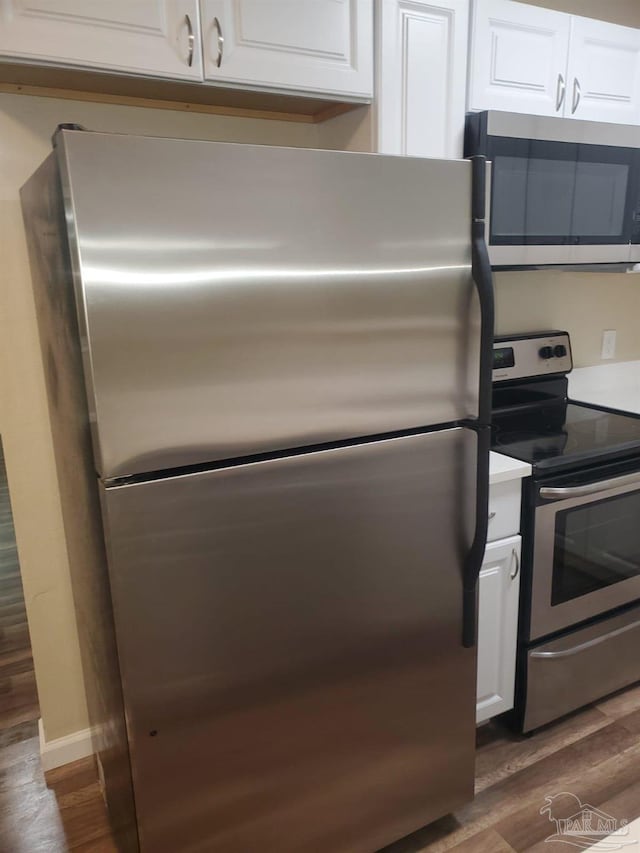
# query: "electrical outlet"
608 343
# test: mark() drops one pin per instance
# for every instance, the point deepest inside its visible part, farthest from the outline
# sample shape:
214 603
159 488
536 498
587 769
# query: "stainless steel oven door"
586 551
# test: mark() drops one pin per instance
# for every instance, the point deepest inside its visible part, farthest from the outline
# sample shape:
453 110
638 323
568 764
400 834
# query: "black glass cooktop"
560 434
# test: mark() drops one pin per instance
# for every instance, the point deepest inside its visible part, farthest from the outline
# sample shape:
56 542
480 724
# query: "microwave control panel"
530 355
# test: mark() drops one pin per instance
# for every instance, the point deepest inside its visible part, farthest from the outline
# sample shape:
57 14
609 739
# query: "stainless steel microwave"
563 191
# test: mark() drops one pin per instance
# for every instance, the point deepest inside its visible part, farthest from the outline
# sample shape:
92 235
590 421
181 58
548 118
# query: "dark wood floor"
18 697
69 815
65 813
594 754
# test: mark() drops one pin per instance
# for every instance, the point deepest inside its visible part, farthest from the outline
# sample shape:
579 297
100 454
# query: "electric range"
579 624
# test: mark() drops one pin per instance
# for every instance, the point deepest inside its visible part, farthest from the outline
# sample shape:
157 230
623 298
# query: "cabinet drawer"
504 509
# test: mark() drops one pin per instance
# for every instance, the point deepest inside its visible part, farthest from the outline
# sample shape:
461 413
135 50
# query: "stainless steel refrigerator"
284 359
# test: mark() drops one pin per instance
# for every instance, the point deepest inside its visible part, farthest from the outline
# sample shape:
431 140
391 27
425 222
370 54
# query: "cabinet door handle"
515 559
561 90
219 41
577 92
191 39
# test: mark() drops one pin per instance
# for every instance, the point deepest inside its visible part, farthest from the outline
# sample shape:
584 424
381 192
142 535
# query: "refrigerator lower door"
289 634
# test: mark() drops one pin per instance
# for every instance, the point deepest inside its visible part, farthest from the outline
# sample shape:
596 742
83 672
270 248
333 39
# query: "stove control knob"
560 351
545 352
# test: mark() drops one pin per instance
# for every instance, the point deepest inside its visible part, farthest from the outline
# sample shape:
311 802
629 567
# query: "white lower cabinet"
421 60
499 590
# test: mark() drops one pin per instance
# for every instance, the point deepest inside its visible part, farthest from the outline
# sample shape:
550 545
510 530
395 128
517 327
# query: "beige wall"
26 125
626 12
352 131
583 303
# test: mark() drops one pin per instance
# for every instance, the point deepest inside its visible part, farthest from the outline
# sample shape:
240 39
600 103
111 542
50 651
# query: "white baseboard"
64 750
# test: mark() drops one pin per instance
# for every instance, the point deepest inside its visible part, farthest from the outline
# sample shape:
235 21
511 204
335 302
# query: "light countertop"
503 468
614 385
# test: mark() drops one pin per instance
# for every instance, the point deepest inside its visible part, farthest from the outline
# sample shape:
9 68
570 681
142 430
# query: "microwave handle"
553 493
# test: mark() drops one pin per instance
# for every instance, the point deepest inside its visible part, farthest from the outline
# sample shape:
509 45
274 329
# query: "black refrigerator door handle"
481 272
483 280
475 555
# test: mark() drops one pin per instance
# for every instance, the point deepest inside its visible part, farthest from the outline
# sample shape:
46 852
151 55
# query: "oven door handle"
556 492
588 644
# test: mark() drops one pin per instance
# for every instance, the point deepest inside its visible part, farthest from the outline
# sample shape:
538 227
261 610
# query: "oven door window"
553 193
596 545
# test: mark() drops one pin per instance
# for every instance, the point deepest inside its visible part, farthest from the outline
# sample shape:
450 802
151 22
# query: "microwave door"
533 185
561 202
604 203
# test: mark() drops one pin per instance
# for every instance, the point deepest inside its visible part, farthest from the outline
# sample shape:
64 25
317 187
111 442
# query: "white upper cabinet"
604 72
421 55
528 59
317 46
157 37
518 58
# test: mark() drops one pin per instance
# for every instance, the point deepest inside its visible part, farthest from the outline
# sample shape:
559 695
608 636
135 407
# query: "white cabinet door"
323 46
421 54
604 72
498 627
158 37
518 58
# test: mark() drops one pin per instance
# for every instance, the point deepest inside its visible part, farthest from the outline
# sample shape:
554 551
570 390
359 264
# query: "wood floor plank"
625 806
18 694
15 662
620 704
527 788
103 845
501 752
525 827
488 841
631 721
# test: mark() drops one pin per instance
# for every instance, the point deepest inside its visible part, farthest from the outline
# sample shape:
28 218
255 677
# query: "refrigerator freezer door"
289 635
238 299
